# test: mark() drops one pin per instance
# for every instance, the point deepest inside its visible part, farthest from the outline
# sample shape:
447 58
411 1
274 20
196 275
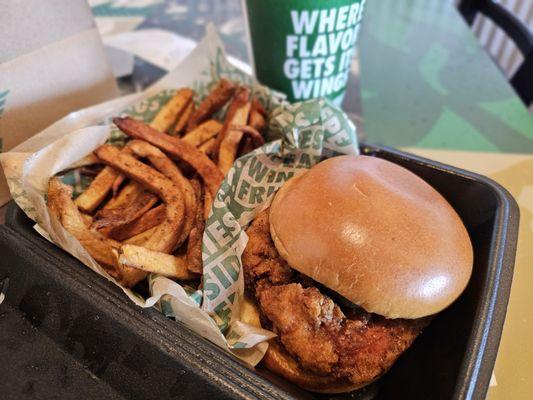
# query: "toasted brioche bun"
375 233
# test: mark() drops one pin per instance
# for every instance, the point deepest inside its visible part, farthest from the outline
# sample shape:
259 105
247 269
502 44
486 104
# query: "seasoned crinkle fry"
151 218
172 110
155 262
202 133
176 148
97 191
168 232
214 101
100 248
165 165
237 114
182 121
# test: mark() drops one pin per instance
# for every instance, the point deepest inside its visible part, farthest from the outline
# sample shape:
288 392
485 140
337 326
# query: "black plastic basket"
66 332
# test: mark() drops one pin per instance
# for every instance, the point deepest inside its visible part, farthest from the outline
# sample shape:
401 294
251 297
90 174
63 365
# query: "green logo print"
310 131
304 48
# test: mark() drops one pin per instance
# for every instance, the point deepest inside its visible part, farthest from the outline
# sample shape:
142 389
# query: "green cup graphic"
304 48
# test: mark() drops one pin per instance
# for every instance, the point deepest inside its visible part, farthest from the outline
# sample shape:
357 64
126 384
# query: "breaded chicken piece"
312 328
261 260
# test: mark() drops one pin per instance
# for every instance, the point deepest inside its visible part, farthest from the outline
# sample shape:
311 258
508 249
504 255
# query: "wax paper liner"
308 132
64 145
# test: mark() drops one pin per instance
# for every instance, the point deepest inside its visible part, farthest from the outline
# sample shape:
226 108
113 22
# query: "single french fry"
117 183
257 116
155 262
183 119
208 147
214 101
141 238
237 114
172 110
258 106
148 220
165 238
125 196
97 190
87 219
115 217
208 203
228 150
230 145
194 245
202 133
256 137
176 148
256 120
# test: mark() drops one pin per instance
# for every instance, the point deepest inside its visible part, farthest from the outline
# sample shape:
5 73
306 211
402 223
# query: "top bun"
375 233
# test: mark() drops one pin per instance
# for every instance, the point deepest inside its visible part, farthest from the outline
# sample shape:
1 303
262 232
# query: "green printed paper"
309 132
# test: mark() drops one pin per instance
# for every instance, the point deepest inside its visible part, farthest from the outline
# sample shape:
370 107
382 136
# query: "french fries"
194 245
208 147
203 133
97 190
142 238
165 238
237 114
103 250
230 145
145 211
109 218
150 219
61 206
126 195
220 95
176 148
181 123
156 262
164 165
172 110
257 115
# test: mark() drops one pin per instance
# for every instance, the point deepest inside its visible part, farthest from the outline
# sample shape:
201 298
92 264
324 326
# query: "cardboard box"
52 62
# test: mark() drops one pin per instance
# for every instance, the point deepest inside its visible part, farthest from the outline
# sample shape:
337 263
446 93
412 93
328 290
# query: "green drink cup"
304 48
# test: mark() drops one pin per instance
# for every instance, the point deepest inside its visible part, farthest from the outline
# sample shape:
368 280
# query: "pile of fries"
145 209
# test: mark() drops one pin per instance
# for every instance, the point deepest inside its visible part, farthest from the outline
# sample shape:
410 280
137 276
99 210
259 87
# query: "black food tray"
66 332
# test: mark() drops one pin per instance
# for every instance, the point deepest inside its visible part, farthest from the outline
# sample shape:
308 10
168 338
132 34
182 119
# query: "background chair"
517 62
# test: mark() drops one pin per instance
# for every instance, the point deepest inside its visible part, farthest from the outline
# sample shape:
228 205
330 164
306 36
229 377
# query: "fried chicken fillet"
350 345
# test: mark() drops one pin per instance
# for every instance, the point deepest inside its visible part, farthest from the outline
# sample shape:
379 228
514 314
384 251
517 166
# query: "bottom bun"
283 364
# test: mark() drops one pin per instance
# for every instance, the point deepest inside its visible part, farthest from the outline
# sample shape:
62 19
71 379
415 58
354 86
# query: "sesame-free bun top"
375 233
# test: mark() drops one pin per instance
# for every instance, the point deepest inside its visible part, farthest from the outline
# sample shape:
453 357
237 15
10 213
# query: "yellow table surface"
513 372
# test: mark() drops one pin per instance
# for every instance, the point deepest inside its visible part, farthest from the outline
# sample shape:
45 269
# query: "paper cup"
304 48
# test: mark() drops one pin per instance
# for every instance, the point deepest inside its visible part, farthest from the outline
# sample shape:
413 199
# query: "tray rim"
482 344
484 339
